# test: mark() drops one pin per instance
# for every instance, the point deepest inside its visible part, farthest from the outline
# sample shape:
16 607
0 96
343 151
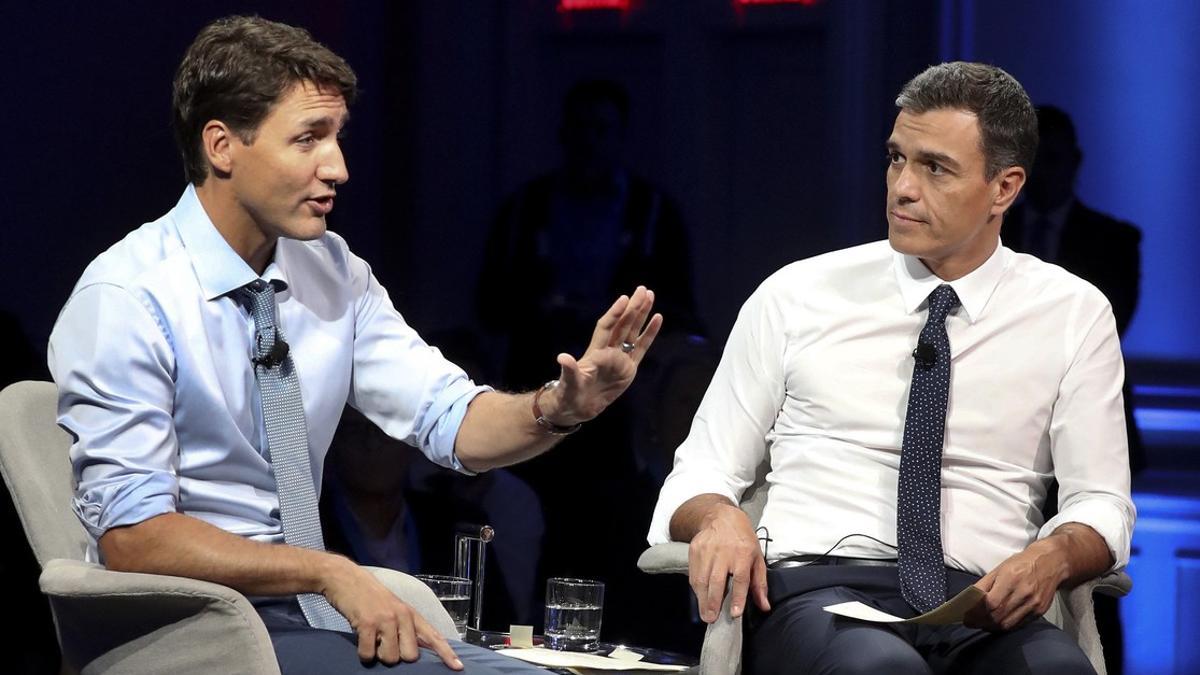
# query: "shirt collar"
973 290
217 266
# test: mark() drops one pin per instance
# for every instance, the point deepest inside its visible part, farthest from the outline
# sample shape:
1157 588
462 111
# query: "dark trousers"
797 636
303 650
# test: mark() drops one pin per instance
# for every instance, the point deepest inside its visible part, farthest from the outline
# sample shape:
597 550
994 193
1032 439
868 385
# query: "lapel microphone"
925 354
273 358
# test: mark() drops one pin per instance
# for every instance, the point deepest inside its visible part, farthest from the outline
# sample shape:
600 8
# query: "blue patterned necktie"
287 444
919 505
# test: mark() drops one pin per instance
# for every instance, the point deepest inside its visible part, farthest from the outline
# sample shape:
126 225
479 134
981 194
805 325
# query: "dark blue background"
767 125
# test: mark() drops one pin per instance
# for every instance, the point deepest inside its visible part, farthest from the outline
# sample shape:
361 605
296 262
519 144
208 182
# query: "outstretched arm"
500 429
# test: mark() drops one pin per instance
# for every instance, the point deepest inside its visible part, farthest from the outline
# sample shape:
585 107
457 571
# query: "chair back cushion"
755 496
37 469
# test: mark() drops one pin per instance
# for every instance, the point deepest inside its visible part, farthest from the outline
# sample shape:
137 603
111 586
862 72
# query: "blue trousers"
303 650
797 636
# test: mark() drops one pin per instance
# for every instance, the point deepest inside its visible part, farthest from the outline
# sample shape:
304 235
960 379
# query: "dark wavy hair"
235 70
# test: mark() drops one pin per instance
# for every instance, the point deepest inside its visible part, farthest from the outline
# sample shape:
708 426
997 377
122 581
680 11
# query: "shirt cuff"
678 489
127 500
1113 522
449 409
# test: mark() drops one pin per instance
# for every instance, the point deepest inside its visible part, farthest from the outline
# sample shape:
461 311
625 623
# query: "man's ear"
217 141
1008 185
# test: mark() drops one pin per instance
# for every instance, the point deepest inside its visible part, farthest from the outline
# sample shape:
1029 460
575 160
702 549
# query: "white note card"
949 612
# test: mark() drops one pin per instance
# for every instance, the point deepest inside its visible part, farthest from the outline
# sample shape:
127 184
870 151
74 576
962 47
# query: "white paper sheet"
949 612
556 659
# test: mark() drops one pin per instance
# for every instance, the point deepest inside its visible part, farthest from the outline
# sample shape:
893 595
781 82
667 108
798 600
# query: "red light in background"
744 3
583 5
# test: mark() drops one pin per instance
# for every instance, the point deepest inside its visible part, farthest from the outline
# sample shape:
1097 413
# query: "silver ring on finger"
627 346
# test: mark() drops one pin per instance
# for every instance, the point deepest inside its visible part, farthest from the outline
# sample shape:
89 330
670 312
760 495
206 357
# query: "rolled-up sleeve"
1088 440
728 436
402 384
113 365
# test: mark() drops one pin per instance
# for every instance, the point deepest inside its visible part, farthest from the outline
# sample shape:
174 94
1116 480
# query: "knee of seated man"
885 656
1057 658
1042 649
854 650
859 656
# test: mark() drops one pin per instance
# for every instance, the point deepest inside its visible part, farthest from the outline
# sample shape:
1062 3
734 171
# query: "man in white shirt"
816 379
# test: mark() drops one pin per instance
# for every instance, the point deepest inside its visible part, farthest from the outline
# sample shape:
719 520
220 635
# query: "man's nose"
333 167
906 186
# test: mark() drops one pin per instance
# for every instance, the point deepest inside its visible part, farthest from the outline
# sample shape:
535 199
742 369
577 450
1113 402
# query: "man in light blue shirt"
152 355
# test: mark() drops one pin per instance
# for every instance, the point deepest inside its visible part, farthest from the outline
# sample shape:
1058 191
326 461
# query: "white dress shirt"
151 355
815 378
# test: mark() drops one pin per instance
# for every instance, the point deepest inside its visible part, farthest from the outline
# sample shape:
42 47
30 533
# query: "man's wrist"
1054 555
329 568
548 413
721 509
1085 553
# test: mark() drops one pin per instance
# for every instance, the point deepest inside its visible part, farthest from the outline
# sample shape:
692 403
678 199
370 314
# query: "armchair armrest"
668 558
150 620
721 653
418 596
1115 584
1075 612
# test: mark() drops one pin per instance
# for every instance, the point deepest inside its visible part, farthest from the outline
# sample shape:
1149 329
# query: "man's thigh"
301 650
798 636
1038 647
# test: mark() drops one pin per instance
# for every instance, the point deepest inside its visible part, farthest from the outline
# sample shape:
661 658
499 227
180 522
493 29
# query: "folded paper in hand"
949 612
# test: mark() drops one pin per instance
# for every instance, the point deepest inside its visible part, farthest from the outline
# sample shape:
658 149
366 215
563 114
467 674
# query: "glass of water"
454 594
573 609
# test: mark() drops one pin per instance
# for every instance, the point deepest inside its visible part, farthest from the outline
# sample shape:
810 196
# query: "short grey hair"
1008 125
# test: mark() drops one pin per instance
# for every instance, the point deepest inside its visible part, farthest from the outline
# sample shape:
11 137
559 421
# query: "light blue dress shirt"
151 355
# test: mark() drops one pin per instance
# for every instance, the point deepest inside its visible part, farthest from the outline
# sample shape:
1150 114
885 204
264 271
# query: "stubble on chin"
901 241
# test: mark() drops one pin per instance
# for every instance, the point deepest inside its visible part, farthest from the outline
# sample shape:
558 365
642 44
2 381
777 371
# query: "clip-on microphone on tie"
274 357
925 354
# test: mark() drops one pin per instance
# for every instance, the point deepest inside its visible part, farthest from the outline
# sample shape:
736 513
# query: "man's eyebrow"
939 158
927 155
324 121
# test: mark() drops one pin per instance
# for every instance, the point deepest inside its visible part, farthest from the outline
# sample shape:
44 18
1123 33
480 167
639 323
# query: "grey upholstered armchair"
111 622
721 653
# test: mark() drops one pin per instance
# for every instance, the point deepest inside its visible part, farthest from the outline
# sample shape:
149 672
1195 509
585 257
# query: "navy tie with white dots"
287 445
919 504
